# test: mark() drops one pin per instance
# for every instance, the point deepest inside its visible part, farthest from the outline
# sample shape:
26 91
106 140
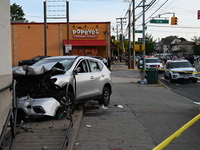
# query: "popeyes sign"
89 33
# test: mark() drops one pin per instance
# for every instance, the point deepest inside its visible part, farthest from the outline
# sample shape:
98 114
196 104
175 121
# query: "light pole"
143 73
45 29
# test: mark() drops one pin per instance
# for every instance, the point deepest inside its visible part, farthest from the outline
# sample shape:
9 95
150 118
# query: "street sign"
138 31
139 47
159 21
141 39
68 48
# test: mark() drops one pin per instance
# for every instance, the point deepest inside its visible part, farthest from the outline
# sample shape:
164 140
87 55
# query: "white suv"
180 70
154 62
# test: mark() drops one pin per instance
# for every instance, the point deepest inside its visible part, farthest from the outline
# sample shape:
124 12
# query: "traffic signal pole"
143 73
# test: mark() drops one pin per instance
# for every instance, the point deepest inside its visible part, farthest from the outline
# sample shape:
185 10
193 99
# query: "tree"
150 45
196 46
17 13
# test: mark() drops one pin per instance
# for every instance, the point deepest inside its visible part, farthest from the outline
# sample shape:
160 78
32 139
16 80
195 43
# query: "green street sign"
160 21
138 31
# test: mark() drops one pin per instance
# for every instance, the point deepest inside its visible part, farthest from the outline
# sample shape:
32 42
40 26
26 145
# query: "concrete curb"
77 117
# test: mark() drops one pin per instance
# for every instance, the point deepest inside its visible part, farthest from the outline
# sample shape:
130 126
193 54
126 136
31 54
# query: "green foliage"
150 45
196 47
16 12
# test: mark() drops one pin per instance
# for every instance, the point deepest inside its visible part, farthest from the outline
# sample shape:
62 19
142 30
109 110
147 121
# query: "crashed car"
68 80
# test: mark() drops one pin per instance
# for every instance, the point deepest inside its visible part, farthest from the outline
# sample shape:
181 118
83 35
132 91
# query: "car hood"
184 69
32 70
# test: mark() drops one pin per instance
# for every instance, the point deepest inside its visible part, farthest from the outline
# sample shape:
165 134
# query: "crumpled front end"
31 108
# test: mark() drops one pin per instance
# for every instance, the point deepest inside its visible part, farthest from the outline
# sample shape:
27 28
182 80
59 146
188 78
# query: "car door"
84 81
99 77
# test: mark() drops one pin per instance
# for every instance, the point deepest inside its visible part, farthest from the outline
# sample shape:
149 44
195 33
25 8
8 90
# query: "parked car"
180 70
70 80
154 62
31 61
98 57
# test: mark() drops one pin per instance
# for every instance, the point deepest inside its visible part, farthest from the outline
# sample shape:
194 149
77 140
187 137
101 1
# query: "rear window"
152 60
180 64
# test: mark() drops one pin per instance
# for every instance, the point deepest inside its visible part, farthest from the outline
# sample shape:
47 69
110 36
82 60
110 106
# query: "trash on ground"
88 126
119 106
143 81
198 103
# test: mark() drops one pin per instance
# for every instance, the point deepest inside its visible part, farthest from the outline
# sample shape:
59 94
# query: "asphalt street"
139 117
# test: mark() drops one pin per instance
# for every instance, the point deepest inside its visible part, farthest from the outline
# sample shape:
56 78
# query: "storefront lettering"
85 32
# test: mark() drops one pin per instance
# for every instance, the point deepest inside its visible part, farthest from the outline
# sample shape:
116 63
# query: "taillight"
157 66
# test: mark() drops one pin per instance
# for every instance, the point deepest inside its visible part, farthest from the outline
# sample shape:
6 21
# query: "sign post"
68 48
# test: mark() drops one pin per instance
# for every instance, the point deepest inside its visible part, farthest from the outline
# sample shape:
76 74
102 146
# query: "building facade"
85 38
5 61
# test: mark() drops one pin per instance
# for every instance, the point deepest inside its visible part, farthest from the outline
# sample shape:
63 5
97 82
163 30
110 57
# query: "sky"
109 10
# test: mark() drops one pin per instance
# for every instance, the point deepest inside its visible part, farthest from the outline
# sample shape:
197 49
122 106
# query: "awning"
86 42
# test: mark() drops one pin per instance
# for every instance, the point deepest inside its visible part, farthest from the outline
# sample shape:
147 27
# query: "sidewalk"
147 115
150 113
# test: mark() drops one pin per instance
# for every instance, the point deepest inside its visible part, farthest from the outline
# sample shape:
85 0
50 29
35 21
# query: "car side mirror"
77 70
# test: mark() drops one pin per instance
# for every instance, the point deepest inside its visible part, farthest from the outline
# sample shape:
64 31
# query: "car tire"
105 98
67 104
165 76
171 80
194 80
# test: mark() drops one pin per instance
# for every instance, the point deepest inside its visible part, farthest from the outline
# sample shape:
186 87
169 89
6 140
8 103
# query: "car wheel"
105 99
171 80
194 80
67 104
165 76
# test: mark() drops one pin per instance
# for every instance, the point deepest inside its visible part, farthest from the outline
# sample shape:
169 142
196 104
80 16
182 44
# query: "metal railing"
11 120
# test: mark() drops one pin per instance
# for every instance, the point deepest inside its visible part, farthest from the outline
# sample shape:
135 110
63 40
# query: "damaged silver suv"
61 81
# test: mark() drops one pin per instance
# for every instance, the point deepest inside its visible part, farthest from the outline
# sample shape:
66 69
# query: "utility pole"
129 37
143 73
122 38
133 54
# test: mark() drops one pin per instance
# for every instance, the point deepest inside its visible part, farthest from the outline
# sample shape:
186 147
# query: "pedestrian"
105 61
191 59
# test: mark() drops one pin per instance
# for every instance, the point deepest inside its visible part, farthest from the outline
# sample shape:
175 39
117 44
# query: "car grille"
155 66
185 73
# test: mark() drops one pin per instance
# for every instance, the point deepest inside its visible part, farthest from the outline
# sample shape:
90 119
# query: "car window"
36 58
44 61
82 67
67 63
94 66
180 64
152 60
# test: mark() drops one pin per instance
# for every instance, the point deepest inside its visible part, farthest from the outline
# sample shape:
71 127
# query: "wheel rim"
67 103
106 97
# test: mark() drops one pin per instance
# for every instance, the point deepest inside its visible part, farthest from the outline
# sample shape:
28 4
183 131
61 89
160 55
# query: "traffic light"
174 20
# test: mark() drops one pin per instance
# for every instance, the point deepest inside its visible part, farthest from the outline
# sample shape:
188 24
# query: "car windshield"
180 65
66 62
152 60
